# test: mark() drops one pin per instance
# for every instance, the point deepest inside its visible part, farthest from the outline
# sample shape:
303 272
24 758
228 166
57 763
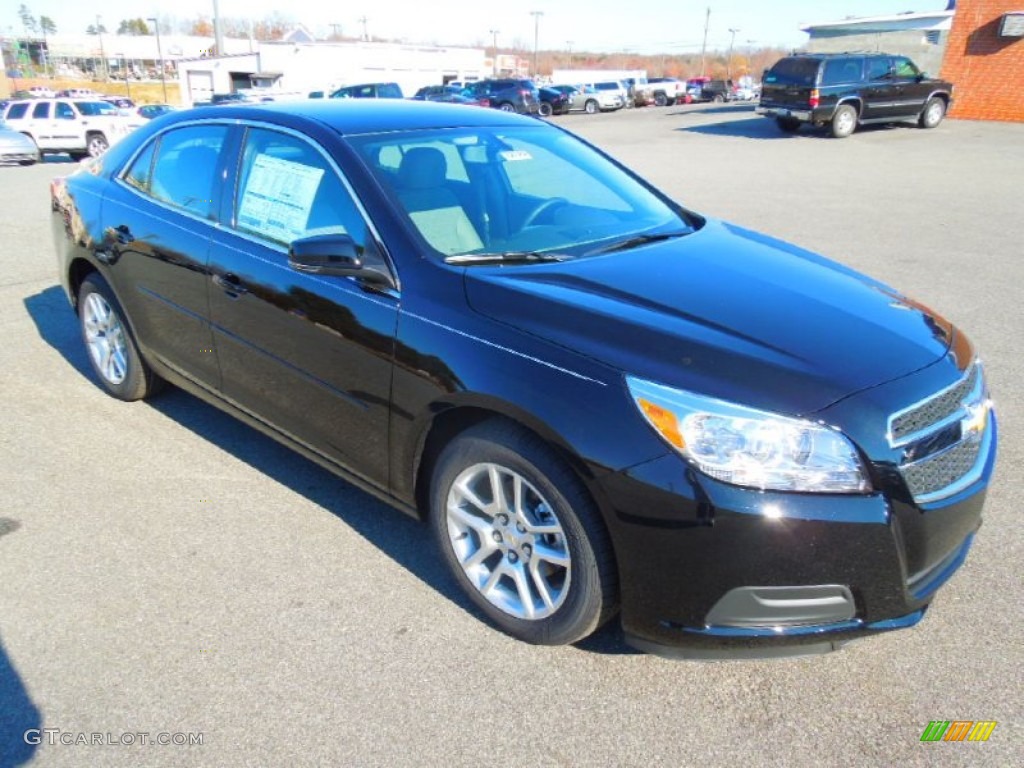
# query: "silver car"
16 147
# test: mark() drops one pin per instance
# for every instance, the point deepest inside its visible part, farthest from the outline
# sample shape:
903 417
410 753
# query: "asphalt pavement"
165 570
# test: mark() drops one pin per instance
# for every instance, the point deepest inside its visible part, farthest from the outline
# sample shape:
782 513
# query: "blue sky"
598 25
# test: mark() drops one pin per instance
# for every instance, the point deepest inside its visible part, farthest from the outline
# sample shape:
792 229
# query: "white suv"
80 127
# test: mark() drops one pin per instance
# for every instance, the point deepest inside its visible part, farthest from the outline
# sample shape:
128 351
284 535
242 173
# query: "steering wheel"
541 209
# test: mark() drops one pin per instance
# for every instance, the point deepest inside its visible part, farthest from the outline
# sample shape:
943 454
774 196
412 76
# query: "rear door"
161 215
789 83
881 91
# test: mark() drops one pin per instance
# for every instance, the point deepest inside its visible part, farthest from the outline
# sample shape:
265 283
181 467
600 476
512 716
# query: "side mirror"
336 255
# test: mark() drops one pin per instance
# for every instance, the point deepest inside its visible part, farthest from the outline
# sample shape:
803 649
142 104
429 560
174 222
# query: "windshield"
531 189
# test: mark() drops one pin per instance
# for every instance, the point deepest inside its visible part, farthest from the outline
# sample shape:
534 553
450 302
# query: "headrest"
422 168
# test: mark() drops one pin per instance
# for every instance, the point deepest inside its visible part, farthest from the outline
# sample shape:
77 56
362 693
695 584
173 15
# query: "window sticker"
278 197
514 155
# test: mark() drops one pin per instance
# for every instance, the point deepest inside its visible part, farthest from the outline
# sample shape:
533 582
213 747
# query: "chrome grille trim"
949 471
936 411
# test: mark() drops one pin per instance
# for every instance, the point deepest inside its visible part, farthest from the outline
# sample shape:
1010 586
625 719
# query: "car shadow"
747 128
713 109
18 714
395 534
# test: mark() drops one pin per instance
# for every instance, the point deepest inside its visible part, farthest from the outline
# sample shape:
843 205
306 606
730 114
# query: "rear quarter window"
17 111
841 71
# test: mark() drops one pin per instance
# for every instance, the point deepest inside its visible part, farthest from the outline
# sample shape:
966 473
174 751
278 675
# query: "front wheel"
660 100
96 144
933 113
521 536
590 107
506 106
844 121
112 351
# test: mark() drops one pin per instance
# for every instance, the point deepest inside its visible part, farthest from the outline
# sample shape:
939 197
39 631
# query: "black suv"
716 90
508 94
845 90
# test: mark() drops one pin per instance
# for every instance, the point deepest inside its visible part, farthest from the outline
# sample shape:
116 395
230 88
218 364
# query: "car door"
911 92
41 125
67 129
161 215
309 355
881 90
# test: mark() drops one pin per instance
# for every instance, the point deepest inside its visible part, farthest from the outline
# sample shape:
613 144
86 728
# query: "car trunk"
790 82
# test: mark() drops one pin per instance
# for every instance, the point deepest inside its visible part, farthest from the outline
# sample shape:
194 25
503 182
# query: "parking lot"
167 570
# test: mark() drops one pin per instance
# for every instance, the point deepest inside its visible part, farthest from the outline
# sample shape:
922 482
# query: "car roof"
356 116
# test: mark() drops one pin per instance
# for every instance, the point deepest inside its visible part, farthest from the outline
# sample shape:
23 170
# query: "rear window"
17 111
793 72
608 86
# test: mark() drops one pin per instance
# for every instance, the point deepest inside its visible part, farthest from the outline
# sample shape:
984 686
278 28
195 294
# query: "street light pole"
536 32
160 53
728 63
103 56
704 46
569 44
494 47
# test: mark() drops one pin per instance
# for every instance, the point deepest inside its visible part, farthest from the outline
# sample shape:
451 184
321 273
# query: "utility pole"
536 32
728 62
704 47
336 31
218 31
103 56
362 20
160 53
569 44
494 47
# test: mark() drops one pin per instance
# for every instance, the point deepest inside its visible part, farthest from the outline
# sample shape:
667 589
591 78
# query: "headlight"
748 447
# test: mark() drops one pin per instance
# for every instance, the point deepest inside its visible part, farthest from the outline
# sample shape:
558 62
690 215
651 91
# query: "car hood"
725 312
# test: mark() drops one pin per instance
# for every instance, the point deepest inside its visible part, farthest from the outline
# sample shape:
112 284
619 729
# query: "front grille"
934 410
941 470
945 438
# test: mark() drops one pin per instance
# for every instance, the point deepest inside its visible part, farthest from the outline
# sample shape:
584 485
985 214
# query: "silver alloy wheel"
104 336
846 121
97 145
933 114
509 541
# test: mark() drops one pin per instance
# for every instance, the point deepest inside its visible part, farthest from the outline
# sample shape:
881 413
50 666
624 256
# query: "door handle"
230 284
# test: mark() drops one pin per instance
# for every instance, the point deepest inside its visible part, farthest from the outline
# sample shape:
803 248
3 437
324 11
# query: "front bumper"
702 562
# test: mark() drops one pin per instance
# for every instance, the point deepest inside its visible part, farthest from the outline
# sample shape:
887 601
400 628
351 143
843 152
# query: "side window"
17 111
41 111
287 189
841 71
905 68
878 68
65 111
141 170
186 168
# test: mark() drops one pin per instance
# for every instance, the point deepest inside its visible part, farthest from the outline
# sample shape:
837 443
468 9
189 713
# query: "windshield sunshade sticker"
515 155
278 197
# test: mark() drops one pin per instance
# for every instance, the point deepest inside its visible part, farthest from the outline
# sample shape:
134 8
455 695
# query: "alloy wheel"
104 337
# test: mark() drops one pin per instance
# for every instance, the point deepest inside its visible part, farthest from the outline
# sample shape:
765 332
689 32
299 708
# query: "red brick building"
985 60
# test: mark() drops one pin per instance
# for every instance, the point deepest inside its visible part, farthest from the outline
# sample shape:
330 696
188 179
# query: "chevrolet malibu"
602 404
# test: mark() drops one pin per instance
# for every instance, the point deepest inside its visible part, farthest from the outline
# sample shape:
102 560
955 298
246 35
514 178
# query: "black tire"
719 98
844 121
787 124
121 372
96 144
550 496
26 162
660 100
507 106
545 109
591 107
933 113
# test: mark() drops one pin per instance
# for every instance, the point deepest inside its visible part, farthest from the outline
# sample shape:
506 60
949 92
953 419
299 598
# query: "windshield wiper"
506 257
633 242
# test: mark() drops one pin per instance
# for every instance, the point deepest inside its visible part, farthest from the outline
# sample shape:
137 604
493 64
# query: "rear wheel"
545 109
521 536
718 99
590 107
660 100
933 113
113 354
787 124
507 106
844 121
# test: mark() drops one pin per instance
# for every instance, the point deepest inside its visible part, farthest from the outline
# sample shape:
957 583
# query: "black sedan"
601 402
554 102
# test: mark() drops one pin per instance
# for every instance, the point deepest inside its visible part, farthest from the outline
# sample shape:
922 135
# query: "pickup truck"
665 91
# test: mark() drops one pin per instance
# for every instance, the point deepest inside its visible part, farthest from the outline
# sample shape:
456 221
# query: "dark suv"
369 91
508 94
716 90
845 90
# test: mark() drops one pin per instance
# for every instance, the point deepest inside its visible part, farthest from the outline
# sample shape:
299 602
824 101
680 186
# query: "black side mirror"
336 255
